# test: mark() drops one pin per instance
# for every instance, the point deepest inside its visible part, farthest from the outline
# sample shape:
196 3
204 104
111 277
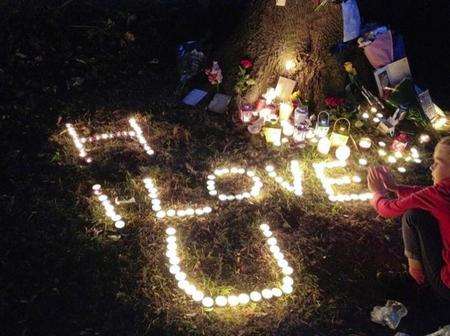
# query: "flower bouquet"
244 81
214 75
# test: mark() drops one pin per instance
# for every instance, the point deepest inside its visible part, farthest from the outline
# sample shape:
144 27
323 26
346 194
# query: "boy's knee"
415 217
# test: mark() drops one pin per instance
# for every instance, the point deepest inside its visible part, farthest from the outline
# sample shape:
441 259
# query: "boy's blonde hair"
445 141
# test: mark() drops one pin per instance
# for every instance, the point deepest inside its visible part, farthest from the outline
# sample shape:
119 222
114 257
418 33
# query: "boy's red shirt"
434 199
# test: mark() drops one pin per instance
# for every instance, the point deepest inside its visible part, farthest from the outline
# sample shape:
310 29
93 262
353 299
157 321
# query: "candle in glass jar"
300 115
300 133
246 112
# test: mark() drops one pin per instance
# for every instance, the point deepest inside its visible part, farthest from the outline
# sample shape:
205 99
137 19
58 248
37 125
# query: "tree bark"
270 35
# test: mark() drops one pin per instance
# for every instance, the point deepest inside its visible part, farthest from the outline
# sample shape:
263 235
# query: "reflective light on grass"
297 175
285 286
255 190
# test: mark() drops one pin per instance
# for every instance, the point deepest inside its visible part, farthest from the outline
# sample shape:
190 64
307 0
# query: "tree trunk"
270 35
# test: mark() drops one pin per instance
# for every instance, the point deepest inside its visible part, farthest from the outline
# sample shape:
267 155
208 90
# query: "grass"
223 252
66 270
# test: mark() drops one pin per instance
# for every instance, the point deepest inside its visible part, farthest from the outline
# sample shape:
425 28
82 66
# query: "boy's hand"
388 178
375 181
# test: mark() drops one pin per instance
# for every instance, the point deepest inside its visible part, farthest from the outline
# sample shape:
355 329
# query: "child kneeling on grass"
426 218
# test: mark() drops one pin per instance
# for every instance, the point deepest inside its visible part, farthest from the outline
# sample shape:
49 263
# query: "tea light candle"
324 146
362 162
343 152
289 65
365 143
424 138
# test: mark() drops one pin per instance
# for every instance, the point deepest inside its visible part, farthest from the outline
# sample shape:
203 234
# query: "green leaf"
56 157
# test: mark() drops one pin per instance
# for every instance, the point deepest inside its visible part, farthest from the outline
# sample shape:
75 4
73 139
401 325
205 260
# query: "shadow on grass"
60 277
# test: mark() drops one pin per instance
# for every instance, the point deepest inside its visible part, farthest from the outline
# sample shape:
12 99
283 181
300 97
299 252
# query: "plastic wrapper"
389 315
190 60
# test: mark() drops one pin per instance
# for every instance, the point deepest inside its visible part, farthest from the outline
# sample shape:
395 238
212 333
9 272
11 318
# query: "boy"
426 218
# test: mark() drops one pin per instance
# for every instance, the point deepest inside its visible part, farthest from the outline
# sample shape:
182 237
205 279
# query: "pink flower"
214 74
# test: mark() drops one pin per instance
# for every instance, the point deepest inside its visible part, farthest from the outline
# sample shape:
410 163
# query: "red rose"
329 101
334 102
246 63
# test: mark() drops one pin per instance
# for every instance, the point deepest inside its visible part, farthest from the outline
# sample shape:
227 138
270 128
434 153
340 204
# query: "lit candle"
391 159
365 143
424 138
324 146
289 65
273 135
343 152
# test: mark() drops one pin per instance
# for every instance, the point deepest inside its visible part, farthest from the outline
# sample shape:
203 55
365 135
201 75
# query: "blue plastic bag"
352 20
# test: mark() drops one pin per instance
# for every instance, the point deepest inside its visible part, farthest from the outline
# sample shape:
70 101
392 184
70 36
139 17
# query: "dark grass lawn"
65 271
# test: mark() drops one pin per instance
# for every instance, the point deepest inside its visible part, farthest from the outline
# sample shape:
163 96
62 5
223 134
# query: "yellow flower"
348 66
295 95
